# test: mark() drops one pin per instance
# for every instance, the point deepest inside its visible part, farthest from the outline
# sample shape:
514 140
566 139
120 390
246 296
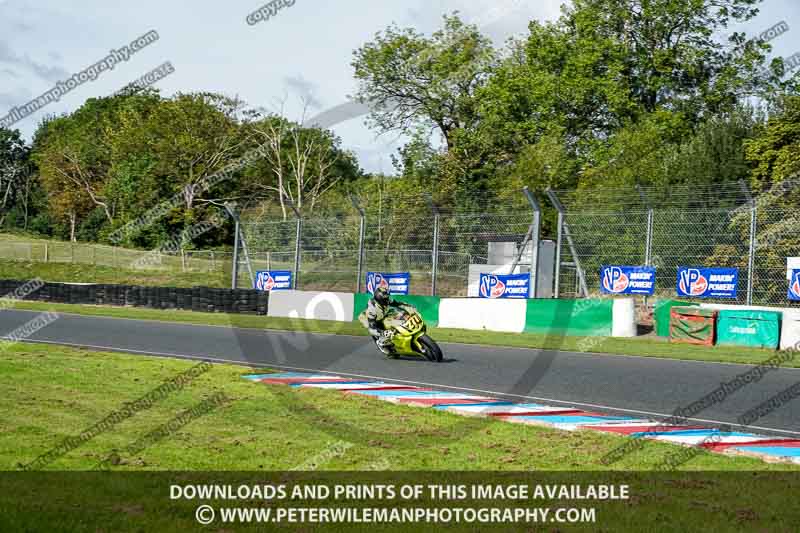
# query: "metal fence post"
559 239
230 208
751 255
751 265
648 241
534 240
246 257
297 245
563 227
235 269
435 250
648 253
362 233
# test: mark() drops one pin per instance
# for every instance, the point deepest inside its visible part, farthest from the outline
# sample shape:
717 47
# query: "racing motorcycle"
408 332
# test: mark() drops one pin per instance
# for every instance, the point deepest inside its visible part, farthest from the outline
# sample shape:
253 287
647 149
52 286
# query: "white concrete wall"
790 330
337 306
623 321
479 313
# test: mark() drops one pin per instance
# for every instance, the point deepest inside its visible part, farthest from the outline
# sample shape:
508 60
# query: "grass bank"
52 393
88 273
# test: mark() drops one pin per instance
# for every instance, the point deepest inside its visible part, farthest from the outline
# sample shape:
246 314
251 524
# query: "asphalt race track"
605 383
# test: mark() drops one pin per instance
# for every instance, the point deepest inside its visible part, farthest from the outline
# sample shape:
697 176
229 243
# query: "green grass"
27 257
51 393
644 347
87 273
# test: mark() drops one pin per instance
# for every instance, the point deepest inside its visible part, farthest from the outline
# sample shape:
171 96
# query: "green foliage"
411 80
115 158
715 154
776 152
635 154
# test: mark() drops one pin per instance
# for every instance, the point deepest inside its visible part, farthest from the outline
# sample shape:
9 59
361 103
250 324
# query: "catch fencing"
689 226
720 226
444 242
435 244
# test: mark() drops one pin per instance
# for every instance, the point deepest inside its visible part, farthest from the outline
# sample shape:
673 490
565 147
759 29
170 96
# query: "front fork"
415 342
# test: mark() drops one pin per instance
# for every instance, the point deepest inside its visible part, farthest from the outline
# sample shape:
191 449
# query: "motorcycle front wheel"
431 350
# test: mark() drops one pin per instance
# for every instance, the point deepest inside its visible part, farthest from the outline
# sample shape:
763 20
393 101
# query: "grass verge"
261 432
88 273
51 393
643 347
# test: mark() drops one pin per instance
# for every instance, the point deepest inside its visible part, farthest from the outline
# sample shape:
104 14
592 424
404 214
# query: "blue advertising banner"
273 280
628 280
794 286
708 282
505 286
397 283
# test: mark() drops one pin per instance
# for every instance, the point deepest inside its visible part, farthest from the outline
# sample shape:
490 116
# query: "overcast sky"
305 50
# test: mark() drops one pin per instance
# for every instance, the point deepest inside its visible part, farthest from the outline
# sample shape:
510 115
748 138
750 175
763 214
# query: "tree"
77 154
67 197
545 164
167 148
192 137
15 174
301 164
715 153
775 153
672 57
418 160
558 80
411 80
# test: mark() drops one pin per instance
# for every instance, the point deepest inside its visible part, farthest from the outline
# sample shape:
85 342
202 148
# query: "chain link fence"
446 247
446 244
723 226
435 244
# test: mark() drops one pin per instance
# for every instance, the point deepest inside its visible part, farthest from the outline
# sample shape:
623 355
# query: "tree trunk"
72 221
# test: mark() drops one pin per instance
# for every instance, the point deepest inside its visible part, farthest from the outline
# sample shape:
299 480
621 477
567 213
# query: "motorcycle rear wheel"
432 352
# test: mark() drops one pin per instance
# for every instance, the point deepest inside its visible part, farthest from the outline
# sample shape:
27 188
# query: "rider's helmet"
382 295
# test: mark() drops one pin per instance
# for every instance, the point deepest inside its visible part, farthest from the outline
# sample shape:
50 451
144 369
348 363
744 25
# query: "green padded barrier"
428 306
749 328
570 317
661 314
693 325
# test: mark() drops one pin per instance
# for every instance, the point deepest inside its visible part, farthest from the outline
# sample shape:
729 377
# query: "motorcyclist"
372 317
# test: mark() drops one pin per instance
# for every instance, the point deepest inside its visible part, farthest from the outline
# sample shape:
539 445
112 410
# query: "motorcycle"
409 336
